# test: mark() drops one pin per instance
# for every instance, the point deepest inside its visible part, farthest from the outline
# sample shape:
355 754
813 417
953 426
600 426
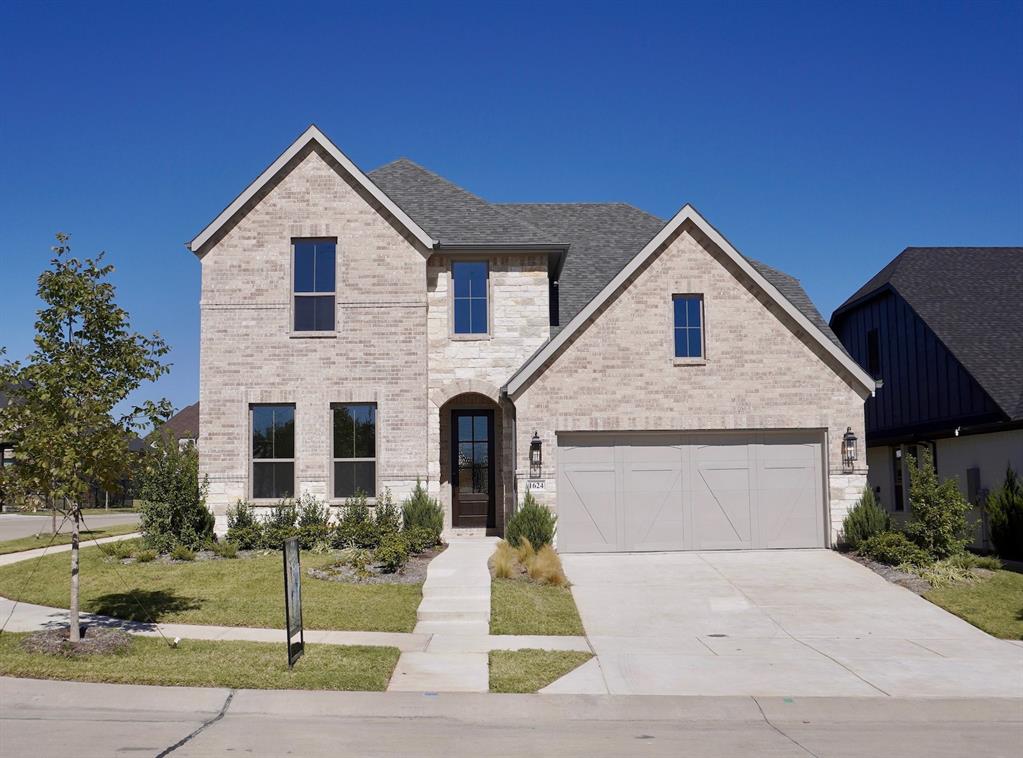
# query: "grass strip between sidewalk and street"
518 606
246 591
209 663
34 541
531 670
994 604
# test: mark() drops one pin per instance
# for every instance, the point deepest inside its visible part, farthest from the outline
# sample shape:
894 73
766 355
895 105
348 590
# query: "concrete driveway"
784 622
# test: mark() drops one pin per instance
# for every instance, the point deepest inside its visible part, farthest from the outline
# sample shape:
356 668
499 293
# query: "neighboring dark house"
942 328
184 425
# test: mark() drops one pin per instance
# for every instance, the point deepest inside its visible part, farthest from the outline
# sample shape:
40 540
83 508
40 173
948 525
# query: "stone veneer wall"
248 354
618 372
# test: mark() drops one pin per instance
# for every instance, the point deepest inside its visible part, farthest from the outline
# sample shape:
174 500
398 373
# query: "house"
942 329
652 385
183 426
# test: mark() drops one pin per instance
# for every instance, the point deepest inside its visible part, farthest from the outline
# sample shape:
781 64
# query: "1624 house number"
534 484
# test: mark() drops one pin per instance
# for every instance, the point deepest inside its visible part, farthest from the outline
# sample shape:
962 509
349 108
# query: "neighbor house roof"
970 298
184 425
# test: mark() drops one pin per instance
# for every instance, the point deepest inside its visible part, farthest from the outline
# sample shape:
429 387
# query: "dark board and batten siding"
924 385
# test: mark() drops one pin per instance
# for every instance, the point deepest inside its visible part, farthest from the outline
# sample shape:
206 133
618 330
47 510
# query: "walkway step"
475 604
441 672
453 628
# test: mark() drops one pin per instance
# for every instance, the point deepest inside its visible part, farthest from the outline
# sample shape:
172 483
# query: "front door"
472 475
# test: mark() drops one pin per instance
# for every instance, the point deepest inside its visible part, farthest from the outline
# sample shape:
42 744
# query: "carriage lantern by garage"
848 449
535 456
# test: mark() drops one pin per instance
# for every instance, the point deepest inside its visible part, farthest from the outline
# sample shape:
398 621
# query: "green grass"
240 592
531 670
34 541
208 663
994 604
521 607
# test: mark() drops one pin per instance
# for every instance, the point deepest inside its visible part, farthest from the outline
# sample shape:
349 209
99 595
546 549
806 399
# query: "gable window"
688 326
314 293
355 446
470 280
273 451
873 354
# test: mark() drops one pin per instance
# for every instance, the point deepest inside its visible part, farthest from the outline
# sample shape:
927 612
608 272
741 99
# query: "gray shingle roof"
971 298
601 237
450 214
184 424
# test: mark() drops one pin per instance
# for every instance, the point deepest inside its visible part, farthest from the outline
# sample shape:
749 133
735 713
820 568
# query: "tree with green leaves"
64 414
173 509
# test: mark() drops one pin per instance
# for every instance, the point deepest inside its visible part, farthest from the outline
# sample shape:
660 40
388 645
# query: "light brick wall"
618 373
249 356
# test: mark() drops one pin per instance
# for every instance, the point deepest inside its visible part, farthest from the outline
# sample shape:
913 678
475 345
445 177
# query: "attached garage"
690 491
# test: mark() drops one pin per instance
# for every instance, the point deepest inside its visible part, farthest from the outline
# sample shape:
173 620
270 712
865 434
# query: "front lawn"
241 592
531 670
523 607
209 663
34 541
994 604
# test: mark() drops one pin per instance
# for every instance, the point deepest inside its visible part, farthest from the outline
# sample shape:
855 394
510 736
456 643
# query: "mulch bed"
413 573
96 640
911 582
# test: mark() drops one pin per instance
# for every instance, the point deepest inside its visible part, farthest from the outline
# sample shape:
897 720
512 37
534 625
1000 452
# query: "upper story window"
273 452
314 293
688 326
355 446
470 283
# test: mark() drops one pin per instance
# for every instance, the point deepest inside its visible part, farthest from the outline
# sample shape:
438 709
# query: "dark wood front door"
472 474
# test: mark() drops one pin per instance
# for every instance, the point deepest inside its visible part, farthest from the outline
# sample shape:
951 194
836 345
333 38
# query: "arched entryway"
472 451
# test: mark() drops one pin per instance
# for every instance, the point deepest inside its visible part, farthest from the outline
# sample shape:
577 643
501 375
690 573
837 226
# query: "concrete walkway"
27 555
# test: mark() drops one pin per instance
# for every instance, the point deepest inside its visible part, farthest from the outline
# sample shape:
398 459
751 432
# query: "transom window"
355 445
314 285
273 452
470 285
688 326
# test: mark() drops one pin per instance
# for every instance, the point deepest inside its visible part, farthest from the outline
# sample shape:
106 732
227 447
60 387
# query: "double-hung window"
355 445
314 292
688 313
470 280
273 452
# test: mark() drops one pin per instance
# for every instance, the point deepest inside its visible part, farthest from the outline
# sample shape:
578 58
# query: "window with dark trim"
355 445
469 279
873 354
688 326
314 285
900 503
273 452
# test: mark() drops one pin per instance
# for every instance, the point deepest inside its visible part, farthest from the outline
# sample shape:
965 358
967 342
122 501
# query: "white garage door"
675 491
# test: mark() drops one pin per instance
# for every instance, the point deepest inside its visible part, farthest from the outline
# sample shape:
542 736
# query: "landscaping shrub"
182 553
243 529
966 560
505 559
225 549
421 510
387 515
937 510
173 509
1005 516
145 556
356 528
545 568
420 538
393 552
864 520
313 523
121 549
533 522
894 549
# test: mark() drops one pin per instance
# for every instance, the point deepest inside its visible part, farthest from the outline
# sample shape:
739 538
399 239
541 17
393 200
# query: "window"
314 285
355 446
688 326
873 354
900 503
470 286
273 452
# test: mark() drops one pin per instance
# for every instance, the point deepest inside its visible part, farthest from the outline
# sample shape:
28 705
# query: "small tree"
62 414
1005 515
864 520
938 510
173 510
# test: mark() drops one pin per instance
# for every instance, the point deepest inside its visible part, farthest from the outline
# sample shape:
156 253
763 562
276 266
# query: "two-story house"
644 379
942 329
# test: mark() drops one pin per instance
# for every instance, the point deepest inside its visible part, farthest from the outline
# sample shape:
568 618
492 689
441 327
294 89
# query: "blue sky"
819 138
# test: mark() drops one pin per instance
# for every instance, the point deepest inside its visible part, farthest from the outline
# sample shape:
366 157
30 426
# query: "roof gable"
310 135
818 332
970 298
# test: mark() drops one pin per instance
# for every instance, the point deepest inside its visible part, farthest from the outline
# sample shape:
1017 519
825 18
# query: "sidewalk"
27 555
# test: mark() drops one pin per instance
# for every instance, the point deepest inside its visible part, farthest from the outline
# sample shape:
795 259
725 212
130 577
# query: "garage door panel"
790 501
722 507
587 512
652 505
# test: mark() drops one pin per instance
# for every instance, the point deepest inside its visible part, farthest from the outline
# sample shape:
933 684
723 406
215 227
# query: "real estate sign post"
293 600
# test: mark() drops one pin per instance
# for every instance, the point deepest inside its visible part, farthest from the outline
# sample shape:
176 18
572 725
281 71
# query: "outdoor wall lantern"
535 456
848 449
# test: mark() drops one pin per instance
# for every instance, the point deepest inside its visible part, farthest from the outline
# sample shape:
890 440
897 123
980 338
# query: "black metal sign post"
293 600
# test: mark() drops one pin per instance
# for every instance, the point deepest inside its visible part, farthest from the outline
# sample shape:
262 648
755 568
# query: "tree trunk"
75 633
53 511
